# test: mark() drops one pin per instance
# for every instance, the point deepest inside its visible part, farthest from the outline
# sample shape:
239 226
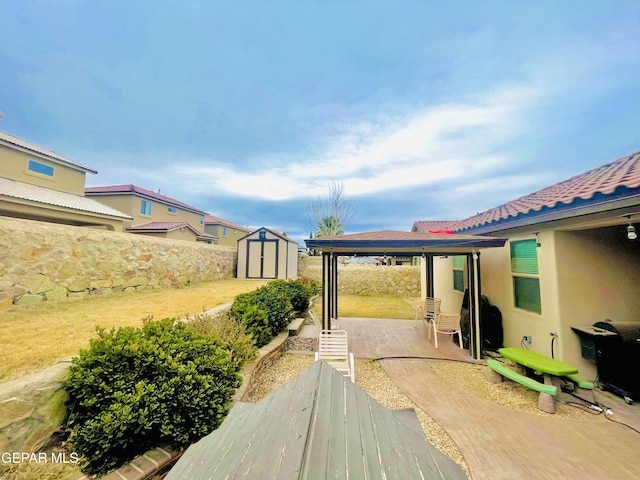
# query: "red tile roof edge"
130 188
605 180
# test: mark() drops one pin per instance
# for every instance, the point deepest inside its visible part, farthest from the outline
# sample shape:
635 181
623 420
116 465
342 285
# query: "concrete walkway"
498 442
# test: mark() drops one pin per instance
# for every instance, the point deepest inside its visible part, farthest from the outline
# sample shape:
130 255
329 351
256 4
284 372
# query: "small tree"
330 226
335 211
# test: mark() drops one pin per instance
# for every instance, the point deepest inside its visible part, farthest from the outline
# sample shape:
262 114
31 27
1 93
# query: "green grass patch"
371 306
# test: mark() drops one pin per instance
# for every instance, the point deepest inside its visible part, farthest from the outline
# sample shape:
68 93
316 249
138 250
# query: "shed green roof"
317 426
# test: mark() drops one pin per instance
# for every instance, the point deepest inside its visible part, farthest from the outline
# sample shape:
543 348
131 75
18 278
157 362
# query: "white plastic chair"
333 348
447 323
431 312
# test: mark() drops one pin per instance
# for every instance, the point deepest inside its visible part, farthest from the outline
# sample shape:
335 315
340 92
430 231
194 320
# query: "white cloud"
450 142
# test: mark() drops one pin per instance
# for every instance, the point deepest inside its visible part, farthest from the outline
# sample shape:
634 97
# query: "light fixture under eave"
631 232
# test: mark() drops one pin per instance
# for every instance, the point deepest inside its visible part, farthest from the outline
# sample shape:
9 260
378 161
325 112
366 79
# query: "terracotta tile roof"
210 219
48 196
135 190
168 227
608 179
425 225
395 235
164 226
18 142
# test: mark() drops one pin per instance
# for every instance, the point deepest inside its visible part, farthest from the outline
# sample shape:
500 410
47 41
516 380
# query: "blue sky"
424 109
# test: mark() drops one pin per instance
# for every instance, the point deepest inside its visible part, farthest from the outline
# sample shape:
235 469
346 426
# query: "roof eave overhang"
578 212
413 247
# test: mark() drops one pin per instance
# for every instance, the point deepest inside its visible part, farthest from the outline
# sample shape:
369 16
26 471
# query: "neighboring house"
267 254
572 259
228 233
38 184
152 213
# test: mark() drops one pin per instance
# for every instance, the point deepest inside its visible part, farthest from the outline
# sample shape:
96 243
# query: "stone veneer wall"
367 279
45 261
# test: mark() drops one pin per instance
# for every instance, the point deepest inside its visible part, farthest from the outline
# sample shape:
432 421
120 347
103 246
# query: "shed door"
262 258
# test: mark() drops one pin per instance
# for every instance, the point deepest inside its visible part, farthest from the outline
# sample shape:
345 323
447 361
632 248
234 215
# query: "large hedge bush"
135 388
297 293
275 304
223 327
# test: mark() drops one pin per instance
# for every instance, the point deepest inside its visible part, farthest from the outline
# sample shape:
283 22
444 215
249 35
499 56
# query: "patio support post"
475 333
327 290
429 276
334 287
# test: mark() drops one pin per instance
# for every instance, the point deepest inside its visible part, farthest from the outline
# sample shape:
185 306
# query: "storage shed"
267 254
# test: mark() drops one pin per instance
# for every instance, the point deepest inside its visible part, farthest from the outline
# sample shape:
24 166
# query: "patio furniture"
447 323
333 349
552 370
431 312
417 308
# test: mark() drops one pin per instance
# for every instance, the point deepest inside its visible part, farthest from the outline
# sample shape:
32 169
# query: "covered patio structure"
416 244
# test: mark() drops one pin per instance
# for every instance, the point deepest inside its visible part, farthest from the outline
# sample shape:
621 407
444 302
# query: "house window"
524 271
458 273
40 168
171 210
145 207
225 231
201 219
262 235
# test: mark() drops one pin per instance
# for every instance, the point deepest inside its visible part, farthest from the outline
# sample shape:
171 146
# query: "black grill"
615 348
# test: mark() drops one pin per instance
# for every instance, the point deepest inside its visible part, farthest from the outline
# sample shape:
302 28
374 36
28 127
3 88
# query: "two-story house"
38 184
153 213
228 233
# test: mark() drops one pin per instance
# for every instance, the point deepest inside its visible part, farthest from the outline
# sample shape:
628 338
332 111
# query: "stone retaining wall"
45 261
367 279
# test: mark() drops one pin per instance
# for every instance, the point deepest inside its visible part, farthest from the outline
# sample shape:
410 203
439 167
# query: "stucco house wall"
14 162
130 204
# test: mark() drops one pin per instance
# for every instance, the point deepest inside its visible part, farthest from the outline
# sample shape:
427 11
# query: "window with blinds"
458 272
524 271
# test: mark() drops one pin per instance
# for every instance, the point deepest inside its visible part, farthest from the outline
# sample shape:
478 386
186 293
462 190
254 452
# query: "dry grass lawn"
368 306
36 336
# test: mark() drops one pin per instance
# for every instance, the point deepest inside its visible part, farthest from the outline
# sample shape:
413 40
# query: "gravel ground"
470 378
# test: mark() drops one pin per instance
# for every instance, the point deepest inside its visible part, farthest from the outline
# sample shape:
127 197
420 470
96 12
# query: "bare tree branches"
330 216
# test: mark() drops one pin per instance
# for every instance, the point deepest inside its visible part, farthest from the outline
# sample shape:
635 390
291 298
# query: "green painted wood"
317 426
521 379
538 361
579 381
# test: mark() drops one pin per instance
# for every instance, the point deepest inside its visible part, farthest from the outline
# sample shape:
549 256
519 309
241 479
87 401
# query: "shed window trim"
525 275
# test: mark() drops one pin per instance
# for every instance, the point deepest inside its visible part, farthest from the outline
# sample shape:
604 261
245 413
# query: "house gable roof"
154 227
20 144
595 190
141 192
278 234
212 220
48 196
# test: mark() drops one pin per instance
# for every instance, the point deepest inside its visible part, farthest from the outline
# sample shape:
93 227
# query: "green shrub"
224 327
274 303
255 322
312 286
297 293
135 388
